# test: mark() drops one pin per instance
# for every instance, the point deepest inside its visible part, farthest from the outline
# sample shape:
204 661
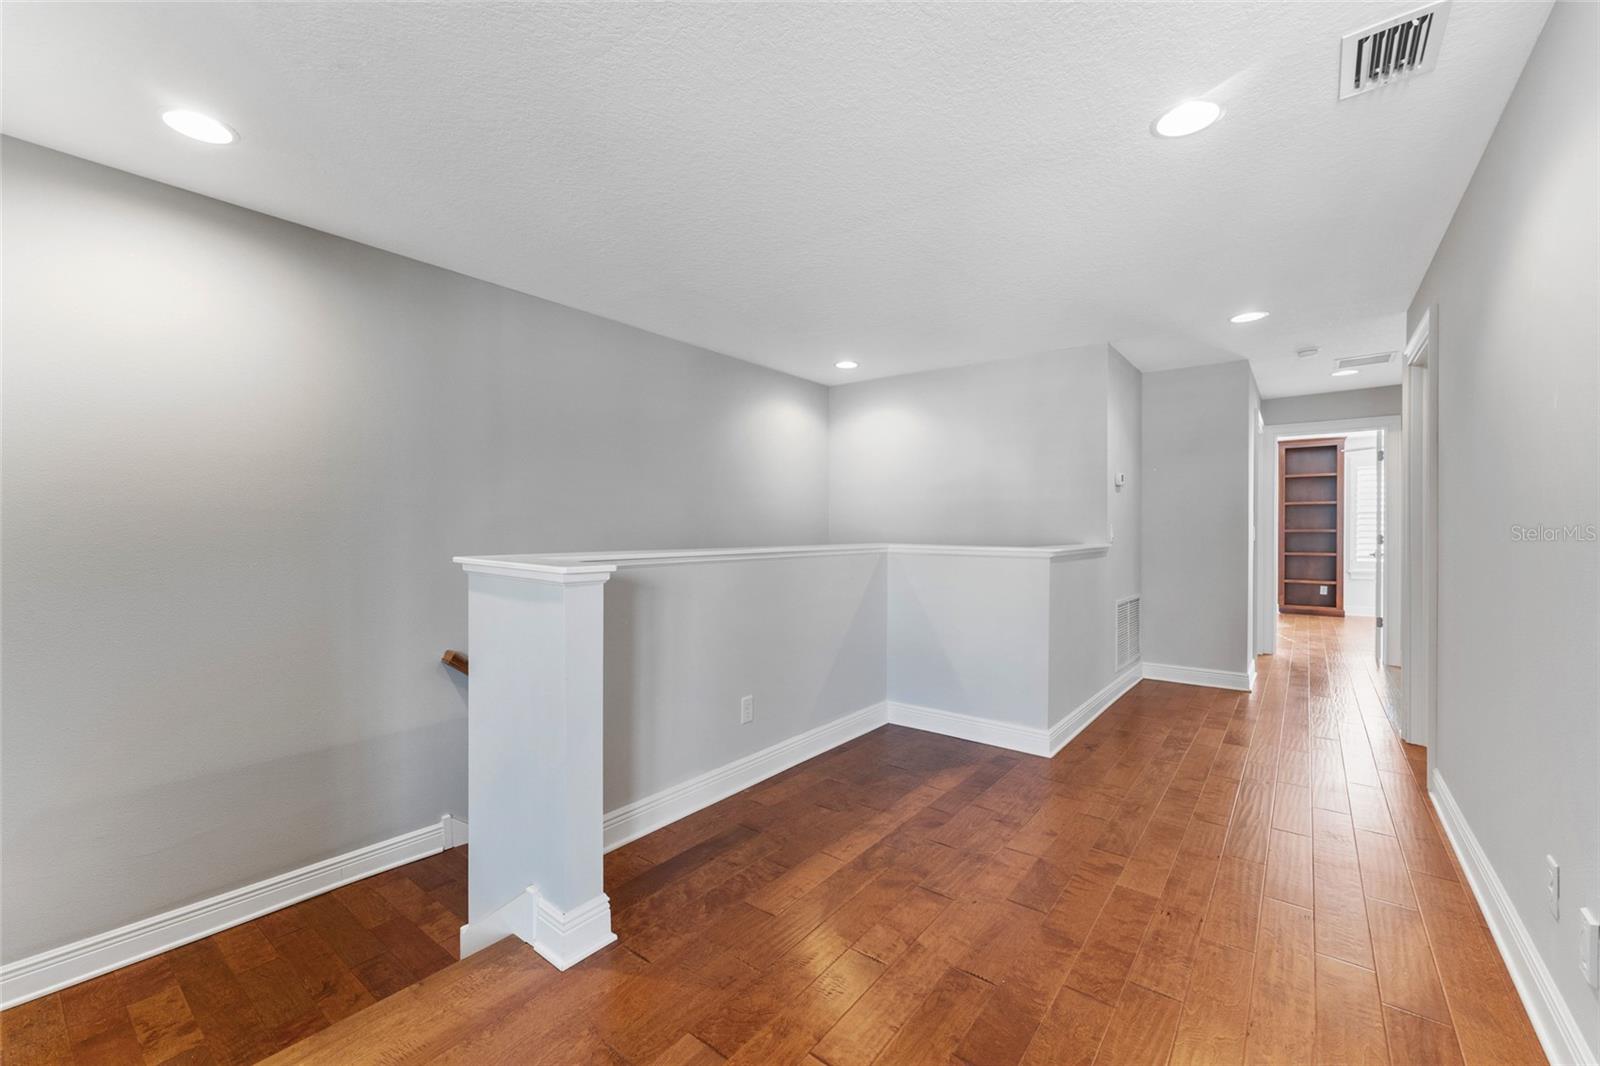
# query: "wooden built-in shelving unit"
1311 526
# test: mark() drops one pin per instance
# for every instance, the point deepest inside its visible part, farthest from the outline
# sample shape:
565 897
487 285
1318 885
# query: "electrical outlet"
1552 886
1589 946
747 710
1322 590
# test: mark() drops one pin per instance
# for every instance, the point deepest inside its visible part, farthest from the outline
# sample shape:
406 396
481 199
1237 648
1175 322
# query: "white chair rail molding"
615 692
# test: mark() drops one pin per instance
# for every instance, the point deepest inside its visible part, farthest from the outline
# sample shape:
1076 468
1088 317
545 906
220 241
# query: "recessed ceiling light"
1248 316
1344 373
1191 116
200 127
846 364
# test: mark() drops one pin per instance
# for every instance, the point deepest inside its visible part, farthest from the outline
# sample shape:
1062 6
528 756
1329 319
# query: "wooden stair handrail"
455 660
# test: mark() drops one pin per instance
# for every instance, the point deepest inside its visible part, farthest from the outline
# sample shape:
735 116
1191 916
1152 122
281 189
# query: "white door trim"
1419 602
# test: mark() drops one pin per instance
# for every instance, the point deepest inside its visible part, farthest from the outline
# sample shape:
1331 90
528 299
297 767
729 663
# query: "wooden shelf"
1298 460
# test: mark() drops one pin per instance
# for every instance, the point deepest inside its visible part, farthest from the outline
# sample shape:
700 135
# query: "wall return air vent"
1128 651
1390 51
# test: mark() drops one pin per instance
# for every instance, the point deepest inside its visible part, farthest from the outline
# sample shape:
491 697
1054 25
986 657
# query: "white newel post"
534 740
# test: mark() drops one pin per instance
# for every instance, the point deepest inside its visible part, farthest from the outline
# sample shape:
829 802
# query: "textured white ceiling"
909 185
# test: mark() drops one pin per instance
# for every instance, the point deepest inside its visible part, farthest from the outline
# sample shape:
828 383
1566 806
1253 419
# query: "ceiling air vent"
1127 632
1392 50
1354 361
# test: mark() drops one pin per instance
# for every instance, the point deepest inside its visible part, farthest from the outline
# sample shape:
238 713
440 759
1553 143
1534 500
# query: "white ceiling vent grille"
1392 50
1127 632
1354 361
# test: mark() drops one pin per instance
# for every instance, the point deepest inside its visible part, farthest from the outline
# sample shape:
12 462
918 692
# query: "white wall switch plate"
747 710
1552 886
1589 946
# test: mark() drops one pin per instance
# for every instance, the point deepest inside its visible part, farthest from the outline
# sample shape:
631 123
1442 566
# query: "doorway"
1366 544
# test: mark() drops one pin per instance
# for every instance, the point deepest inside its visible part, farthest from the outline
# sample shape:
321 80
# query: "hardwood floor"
1202 877
254 989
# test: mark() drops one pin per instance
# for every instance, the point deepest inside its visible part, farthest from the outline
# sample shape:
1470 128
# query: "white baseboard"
48 971
1552 1019
564 938
1026 739
630 822
519 918
1239 681
1062 732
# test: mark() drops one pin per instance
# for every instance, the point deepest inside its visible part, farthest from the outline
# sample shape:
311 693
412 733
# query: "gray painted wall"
1253 431
1516 339
238 457
1332 406
1124 429
1019 451
1083 632
1196 516
971 636
807 637
1008 452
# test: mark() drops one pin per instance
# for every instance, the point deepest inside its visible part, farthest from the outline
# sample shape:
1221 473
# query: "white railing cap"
575 567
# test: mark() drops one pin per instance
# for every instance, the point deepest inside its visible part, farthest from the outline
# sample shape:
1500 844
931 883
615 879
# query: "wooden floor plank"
1141 1030
35 1033
1490 1022
866 1028
1341 916
1418 1040
1283 996
792 1033
1289 876
1071 1032
1369 809
1102 965
1349 1016
688 1051
286 1010
933 1031
1216 1009
1252 821
1235 908
1383 869
1164 958
1405 962
234 1030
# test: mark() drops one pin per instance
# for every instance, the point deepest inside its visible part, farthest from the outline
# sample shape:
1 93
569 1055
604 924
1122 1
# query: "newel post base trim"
563 938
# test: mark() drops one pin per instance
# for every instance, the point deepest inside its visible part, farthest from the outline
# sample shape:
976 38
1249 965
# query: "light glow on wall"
199 127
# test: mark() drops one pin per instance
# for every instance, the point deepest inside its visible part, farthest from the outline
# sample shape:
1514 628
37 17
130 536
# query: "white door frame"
1266 606
1419 599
